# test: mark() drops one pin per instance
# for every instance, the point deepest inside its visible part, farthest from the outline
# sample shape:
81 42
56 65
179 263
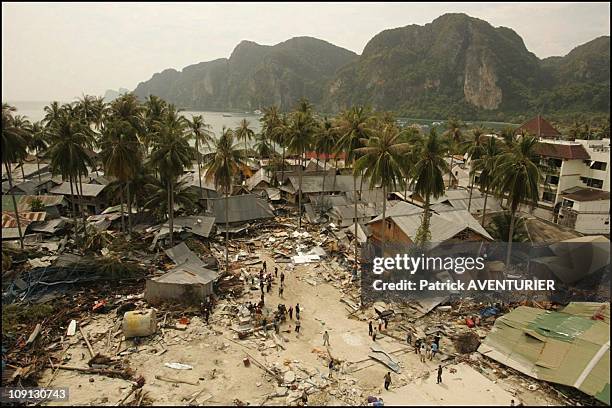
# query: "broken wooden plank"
91 351
175 380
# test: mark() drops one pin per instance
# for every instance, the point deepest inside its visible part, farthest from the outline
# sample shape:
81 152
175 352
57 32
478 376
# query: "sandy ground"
219 370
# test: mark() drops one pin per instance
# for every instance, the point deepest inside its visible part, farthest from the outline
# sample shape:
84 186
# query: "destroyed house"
53 205
93 197
259 181
203 189
10 229
313 185
404 219
569 347
33 186
240 209
189 282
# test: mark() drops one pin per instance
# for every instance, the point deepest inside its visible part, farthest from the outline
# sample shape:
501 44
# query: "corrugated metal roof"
89 190
197 224
259 177
567 347
24 201
242 208
314 183
9 220
399 208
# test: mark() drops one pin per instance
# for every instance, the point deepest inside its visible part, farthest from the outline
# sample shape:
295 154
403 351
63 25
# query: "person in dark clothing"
276 271
282 277
265 267
331 367
370 328
386 323
297 311
269 287
280 291
439 374
297 326
290 312
437 340
387 380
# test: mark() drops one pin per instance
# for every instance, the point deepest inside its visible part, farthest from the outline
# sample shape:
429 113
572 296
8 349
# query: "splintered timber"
482 285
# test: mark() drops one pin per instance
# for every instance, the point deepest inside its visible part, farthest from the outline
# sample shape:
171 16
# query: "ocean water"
35 112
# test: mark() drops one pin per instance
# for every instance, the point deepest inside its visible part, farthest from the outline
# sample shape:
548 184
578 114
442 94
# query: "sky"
54 51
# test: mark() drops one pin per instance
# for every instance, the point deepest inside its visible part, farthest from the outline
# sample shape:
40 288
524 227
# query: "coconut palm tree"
203 136
157 197
38 142
517 175
121 157
23 123
500 228
325 141
244 132
454 134
485 164
68 155
354 126
272 130
474 148
171 154
14 148
410 135
263 147
427 175
155 109
300 136
221 166
52 113
382 161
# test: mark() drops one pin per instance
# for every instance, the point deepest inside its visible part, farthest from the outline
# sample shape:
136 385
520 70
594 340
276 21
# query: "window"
592 182
554 180
548 197
597 165
388 224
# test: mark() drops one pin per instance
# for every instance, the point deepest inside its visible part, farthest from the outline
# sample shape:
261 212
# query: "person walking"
370 328
290 312
269 286
330 366
297 311
434 350
422 351
409 336
387 380
380 323
439 380
282 277
280 291
417 346
276 271
265 267
374 335
326 338
297 327
386 322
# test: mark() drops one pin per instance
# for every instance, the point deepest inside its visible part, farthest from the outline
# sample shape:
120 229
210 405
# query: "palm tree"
52 113
454 135
244 132
500 228
222 165
38 142
486 165
474 148
171 154
382 162
410 135
154 110
14 148
121 157
428 177
325 141
272 129
157 197
69 158
354 126
300 135
202 135
263 147
517 175
21 122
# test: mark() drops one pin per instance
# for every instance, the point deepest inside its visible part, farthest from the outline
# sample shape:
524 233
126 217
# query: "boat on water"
257 112
227 115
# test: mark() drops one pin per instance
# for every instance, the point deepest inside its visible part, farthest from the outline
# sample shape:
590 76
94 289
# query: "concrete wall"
159 292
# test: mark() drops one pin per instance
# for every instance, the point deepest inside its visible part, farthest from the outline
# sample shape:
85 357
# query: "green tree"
485 164
69 140
454 134
517 175
221 166
382 161
14 148
500 228
38 142
474 148
171 154
244 132
52 113
300 136
354 126
325 142
203 136
428 179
